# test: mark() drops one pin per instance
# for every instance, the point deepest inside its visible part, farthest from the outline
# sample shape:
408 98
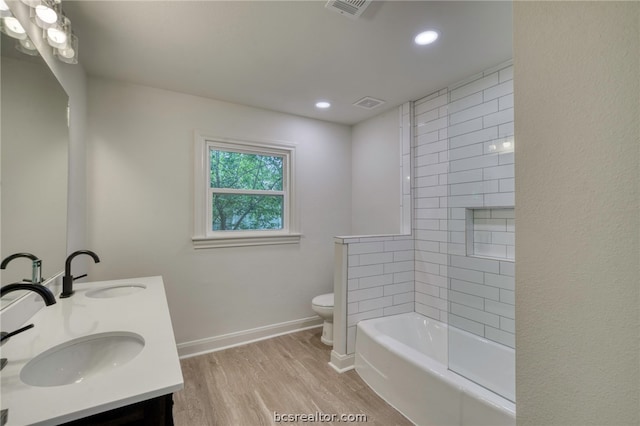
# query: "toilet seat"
324 300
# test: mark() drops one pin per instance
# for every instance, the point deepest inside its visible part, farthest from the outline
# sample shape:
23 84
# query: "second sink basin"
81 358
115 291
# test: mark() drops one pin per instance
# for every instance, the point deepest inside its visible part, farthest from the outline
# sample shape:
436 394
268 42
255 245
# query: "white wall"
375 175
577 96
141 207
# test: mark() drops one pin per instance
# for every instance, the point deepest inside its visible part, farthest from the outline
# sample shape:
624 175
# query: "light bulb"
57 37
323 104
45 16
13 24
69 52
506 145
13 28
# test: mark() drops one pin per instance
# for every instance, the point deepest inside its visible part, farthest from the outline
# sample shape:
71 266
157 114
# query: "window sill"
245 240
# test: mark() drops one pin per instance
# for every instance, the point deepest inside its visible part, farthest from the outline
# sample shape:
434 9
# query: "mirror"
34 141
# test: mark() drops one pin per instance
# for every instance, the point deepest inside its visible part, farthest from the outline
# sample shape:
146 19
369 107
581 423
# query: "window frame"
203 236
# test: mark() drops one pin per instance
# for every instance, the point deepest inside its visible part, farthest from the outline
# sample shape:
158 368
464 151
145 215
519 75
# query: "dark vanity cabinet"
152 412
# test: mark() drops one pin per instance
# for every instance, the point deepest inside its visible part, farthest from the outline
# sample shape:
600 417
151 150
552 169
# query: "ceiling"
284 56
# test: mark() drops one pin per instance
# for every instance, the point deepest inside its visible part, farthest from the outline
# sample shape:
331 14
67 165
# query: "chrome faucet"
67 280
36 266
43 291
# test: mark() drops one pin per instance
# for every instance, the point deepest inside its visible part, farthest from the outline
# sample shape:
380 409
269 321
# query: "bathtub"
403 358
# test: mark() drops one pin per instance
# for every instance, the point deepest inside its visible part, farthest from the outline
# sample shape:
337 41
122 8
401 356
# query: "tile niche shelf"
490 233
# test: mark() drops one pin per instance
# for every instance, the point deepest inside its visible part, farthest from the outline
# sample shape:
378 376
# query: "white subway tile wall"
380 279
464 160
461 158
431 195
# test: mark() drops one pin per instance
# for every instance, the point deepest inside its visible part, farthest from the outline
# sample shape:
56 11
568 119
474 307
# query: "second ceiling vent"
350 8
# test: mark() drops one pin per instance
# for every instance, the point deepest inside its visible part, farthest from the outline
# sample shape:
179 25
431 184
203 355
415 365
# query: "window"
244 193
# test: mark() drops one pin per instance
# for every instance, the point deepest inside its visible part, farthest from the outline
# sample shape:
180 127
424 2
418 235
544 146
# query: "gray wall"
375 175
577 202
34 168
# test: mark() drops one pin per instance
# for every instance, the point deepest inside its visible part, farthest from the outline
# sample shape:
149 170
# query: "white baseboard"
224 341
342 363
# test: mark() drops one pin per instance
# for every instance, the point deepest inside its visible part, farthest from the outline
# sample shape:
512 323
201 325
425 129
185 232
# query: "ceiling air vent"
368 102
350 8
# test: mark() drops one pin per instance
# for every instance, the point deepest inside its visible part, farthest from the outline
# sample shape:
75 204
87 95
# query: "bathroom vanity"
106 355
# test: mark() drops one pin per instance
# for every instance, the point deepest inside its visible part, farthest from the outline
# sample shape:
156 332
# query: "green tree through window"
247 191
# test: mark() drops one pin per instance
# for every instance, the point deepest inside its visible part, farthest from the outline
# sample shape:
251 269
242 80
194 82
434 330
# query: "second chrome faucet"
36 266
67 279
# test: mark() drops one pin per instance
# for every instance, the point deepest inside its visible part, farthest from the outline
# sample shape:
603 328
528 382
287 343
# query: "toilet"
323 306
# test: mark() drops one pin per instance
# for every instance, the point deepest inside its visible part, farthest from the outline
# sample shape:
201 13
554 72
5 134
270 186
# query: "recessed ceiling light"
323 104
426 37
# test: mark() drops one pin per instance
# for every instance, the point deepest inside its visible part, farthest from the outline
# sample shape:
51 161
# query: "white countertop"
155 371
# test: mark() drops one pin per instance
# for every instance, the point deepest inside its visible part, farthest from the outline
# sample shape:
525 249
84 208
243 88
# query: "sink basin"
79 359
115 291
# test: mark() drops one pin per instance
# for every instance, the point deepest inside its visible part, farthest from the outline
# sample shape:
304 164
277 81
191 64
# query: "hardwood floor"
289 374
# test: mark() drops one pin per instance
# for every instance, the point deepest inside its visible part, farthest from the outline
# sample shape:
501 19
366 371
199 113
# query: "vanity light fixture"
12 27
56 29
323 104
426 37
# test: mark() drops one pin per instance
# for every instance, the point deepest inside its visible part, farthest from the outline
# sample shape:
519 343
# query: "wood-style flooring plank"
289 374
